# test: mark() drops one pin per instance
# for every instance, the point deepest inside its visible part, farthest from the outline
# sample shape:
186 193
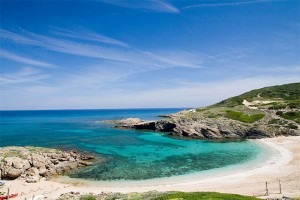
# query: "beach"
282 165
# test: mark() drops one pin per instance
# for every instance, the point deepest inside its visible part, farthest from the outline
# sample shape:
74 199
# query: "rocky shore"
35 163
196 125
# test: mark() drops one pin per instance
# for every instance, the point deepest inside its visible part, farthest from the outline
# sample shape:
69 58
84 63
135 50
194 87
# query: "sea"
123 154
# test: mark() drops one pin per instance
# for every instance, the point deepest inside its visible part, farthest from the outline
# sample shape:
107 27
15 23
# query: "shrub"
292 126
277 107
295 116
243 117
88 197
204 196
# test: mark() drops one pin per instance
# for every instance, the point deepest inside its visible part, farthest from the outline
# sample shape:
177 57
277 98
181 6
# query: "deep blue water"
128 154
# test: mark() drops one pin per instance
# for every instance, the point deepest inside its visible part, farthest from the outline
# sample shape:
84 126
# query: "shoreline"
283 165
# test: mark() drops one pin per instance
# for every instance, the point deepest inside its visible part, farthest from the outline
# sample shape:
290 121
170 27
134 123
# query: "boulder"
38 160
42 170
33 171
12 167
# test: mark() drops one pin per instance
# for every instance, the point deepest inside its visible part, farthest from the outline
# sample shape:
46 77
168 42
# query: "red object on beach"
2 197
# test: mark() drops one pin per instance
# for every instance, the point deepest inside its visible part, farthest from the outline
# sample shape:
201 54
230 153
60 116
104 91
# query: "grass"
203 196
240 116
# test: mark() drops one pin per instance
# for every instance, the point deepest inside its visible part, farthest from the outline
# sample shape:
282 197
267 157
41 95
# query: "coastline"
283 165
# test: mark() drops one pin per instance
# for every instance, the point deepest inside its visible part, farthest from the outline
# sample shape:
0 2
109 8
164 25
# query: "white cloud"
154 5
146 59
24 60
24 75
238 3
18 38
89 36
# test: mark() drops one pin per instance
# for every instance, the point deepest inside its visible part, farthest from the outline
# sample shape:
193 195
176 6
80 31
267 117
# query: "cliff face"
266 112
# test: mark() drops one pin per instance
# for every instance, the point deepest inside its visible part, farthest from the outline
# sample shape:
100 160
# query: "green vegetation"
203 196
243 117
277 107
289 93
88 197
295 116
154 195
292 126
274 121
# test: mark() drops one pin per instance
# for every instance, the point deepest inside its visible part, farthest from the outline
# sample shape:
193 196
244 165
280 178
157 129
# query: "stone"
32 179
38 160
17 163
42 170
33 171
12 167
13 173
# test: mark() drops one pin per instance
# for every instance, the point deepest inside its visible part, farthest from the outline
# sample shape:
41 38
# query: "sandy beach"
283 165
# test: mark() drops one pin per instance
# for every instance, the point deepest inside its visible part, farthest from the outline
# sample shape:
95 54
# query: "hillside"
265 112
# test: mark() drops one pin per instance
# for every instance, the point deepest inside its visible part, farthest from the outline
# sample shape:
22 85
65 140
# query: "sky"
93 54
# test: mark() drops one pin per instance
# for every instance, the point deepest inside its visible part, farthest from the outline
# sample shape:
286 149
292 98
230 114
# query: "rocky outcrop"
33 163
210 128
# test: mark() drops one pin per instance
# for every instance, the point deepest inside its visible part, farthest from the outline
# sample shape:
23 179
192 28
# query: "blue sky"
143 53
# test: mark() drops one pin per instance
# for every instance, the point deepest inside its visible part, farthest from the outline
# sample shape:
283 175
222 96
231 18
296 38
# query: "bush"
204 196
295 116
277 107
292 126
88 197
243 117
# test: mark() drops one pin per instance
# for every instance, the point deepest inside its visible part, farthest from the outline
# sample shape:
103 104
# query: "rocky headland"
35 163
265 112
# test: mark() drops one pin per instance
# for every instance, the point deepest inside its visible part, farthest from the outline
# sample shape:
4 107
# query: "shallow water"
128 154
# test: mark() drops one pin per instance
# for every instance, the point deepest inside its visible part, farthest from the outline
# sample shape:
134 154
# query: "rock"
144 125
38 160
35 162
84 163
87 157
12 167
33 171
42 170
32 179
13 173
17 163
165 126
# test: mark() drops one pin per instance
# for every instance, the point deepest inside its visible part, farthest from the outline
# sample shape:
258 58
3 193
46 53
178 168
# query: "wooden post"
279 187
7 197
267 191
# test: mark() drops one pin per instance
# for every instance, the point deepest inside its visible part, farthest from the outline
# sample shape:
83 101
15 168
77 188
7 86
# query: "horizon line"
71 109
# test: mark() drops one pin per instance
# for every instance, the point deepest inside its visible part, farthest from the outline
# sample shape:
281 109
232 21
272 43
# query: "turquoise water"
127 154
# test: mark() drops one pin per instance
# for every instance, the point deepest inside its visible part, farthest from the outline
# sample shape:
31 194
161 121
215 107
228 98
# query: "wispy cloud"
24 60
153 5
238 3
7 35
24 75
89 36
158 59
